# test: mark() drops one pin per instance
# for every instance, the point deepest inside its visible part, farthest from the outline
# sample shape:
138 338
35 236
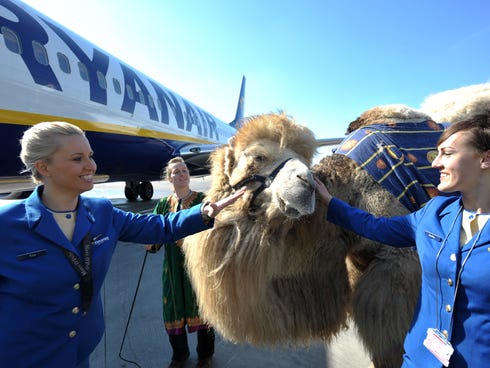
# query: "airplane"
134 124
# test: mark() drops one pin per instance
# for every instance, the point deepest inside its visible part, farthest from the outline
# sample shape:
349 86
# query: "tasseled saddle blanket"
399 157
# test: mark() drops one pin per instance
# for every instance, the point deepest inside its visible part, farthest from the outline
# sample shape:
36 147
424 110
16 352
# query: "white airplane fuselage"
134 124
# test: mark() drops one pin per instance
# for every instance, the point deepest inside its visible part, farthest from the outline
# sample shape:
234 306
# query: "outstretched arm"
211 210
395 231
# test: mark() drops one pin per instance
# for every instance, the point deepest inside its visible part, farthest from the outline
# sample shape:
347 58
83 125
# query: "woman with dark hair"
451 324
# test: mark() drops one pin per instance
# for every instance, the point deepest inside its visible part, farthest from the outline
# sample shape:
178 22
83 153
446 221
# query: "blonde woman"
56 247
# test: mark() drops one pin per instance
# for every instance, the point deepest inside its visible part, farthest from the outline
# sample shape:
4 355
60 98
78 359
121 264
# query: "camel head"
271 156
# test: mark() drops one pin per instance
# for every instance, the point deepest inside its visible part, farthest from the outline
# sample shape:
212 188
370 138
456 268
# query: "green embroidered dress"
179 301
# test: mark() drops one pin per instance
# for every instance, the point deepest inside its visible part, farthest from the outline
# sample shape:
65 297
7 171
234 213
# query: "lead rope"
105 333
131 312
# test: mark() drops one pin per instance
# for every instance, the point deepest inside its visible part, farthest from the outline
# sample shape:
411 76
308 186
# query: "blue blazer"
42 324
435 231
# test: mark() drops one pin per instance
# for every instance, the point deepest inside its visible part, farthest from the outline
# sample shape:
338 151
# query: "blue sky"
323 62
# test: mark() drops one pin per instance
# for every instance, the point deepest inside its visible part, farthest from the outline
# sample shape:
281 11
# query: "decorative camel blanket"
399 157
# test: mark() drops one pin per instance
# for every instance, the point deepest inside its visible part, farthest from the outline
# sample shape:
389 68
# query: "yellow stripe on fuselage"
28 118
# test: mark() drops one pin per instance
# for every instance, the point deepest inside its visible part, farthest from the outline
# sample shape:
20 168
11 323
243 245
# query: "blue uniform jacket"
41 320
436 229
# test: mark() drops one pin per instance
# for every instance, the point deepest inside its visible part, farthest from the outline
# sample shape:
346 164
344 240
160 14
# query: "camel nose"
307 178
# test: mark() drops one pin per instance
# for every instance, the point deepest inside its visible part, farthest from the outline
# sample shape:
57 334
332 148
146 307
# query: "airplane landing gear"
146 190
133 189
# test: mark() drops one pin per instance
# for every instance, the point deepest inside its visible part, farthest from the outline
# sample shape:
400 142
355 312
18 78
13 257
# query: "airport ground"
145 340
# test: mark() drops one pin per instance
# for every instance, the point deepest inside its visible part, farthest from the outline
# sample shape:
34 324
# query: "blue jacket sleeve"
160 228
396 231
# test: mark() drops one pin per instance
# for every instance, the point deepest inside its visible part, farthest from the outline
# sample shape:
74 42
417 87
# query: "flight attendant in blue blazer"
56 247
451 324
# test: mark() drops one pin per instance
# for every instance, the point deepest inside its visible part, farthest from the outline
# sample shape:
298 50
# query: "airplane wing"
328 141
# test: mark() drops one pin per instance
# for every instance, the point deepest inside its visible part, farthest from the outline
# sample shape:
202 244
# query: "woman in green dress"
179 301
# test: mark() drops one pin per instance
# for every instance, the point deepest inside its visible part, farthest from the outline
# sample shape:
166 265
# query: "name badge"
31 255
433 236
438 345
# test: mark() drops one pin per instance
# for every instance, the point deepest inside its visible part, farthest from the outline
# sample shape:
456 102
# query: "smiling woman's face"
71 168
459 164
179 175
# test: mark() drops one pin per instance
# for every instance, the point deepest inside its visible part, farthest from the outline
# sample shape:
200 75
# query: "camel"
272 271
262 272
385 281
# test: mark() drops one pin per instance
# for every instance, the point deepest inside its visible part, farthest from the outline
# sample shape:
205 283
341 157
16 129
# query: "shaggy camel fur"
273 271
458 104
387 114
385 281
262 274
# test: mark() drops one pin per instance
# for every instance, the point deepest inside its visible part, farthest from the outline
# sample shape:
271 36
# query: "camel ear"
229 160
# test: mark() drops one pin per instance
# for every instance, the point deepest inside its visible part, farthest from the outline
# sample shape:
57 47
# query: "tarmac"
135 336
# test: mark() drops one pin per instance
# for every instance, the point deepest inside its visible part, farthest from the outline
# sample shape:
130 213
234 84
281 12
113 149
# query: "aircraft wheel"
146 190
131 192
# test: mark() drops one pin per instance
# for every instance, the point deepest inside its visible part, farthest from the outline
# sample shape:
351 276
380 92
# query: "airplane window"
101 80
64 63
40 53
159 105
129 91
150 102
11 40
83 71
117 86
141 97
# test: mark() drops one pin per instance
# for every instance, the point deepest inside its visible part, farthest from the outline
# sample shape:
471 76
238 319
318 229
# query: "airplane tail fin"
236 123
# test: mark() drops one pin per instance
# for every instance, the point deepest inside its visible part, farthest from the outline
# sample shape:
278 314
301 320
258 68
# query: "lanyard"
458 277
84 269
